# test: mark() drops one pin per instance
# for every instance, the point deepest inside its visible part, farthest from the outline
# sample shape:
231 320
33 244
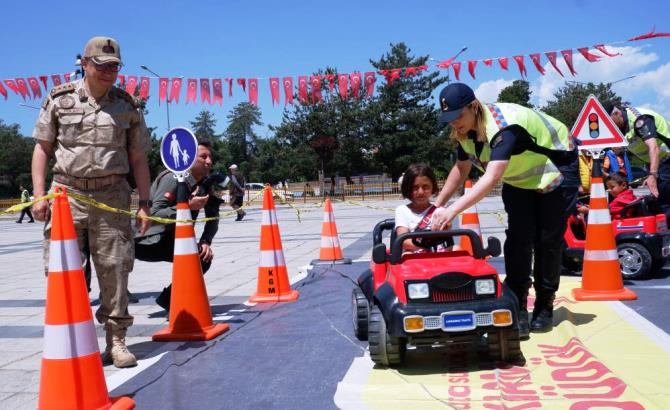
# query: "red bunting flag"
370 80
651 34
55 79
217 90
592 58
131 85
488 62
12 86
343 85
410 71
567 56
3 91
191 90
230 86
602 49
316 89
521 64
288 90
66 76
175 90
121 78
421 68
535 58
302 90
395 74
23 88
471 68
331 82
504 62
162 89
551 56
242 82
355 84
35 87
457 70
144 88
445 63
274 90
253 91
205 91
44 79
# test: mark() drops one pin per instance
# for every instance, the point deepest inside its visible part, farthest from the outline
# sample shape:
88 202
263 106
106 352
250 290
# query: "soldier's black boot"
522 297
163 300
543 313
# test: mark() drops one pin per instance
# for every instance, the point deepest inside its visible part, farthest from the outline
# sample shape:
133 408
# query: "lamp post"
454 59
167 101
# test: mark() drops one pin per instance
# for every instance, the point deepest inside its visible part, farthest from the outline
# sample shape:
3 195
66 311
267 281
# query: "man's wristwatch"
145 202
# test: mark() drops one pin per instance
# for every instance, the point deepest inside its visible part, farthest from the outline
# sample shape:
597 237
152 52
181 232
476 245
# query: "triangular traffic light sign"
595 129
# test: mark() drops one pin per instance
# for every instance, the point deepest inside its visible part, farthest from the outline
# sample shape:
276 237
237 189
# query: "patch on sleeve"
639 123
169 196
496 140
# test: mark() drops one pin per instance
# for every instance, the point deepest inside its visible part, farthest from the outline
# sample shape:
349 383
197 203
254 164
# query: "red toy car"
642 238
434 298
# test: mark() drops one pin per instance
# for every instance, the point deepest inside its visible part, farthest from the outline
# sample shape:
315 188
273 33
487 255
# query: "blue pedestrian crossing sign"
179 148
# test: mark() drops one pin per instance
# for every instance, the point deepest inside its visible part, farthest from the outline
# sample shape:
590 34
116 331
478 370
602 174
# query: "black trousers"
536 225
26 211
663 185
163 251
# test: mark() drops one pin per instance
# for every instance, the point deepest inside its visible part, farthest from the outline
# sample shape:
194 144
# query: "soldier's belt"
88 184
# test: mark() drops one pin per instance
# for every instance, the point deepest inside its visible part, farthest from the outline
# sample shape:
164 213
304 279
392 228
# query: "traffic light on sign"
594 130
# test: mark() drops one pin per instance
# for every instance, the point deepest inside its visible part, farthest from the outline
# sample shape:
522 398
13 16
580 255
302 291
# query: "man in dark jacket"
157 244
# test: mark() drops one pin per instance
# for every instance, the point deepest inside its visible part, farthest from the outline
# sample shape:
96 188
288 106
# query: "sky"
218 39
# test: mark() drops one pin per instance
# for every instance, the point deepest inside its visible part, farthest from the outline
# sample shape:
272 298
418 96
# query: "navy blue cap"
453 98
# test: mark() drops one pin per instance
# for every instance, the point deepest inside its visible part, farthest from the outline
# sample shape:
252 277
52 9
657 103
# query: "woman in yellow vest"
532 153
648 135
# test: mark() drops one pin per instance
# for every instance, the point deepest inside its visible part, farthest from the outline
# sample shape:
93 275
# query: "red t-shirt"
620 201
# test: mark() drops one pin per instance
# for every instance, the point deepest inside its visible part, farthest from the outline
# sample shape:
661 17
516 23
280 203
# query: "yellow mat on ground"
599 355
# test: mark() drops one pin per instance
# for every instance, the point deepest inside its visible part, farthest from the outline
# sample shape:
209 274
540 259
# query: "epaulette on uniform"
126 96
62 89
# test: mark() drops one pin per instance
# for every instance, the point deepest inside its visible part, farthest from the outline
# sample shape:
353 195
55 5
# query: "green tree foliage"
402 119
204 128
517 93
241 138
569 100
15 159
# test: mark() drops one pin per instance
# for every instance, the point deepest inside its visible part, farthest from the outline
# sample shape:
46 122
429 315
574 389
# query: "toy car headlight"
418 290
485 287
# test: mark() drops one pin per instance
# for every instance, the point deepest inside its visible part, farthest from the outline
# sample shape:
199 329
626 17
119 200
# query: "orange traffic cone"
190 313
469 220
273 284
601 276
330 252
71 375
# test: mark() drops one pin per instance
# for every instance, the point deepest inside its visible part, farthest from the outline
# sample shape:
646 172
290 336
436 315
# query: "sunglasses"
107 68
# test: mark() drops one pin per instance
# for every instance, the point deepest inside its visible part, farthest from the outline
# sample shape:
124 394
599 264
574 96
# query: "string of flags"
355 84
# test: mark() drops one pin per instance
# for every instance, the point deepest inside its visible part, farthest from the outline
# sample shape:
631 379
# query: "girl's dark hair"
618 178
413 171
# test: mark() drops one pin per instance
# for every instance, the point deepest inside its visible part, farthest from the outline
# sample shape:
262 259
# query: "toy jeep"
642 238
433 298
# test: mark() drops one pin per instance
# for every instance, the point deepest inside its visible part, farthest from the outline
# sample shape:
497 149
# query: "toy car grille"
483 319
431 322
455 295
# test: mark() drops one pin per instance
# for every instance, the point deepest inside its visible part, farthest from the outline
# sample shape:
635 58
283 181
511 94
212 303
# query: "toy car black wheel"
361 311
505 346
635 260
384 349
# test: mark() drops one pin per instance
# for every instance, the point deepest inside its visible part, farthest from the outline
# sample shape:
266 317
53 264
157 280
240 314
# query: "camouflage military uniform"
91 140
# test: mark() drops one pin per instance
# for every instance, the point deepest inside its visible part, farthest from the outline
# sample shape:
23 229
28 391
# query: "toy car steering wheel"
431 243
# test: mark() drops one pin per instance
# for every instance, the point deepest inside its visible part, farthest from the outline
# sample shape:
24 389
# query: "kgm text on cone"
71 375
273 283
